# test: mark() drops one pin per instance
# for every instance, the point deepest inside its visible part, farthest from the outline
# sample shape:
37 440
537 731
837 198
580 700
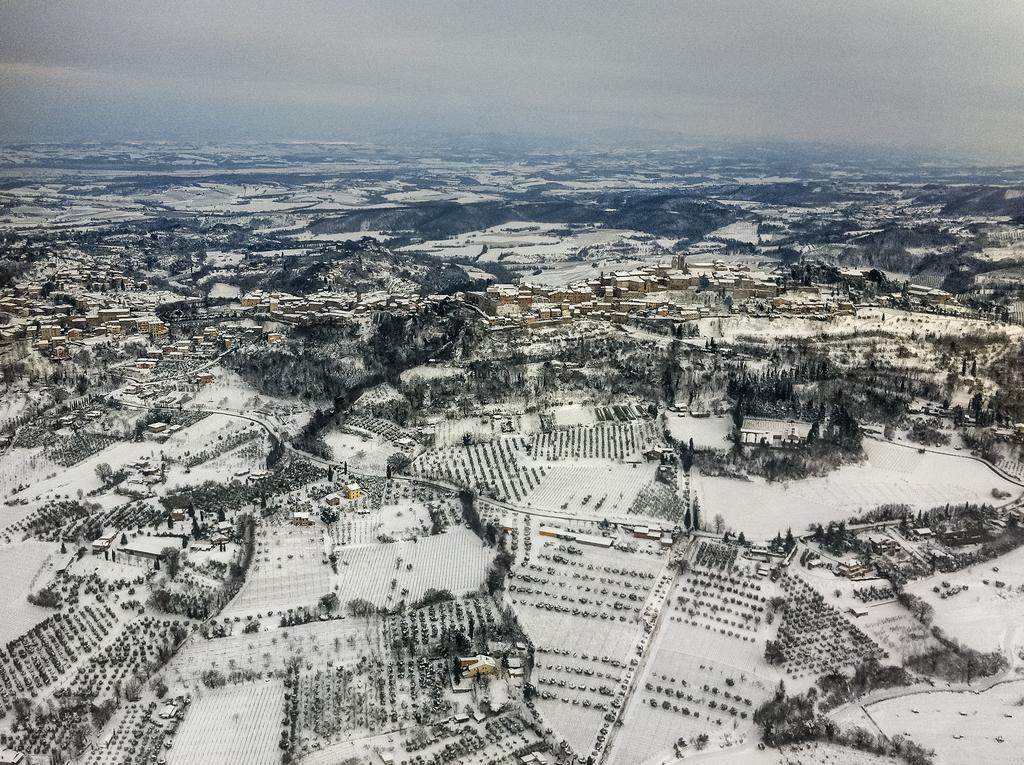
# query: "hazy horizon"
915 76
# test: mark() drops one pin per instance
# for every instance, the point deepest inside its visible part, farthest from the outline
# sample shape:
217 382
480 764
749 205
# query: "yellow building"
478 665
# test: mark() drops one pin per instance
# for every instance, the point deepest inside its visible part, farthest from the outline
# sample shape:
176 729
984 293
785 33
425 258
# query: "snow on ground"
14 402
231 393
23 468
562 273
449 432
343 236
210 438
431 372
961 726
890 474
585 637
288 571
695 655
706 432
887 622
810 753
573 414
24 568
233 725
866 320
363 453
1009 252
267 651
578 486
740 231
407 520
224 259
66 482
523 242
648 734
385 574
436 195
222 290
985 616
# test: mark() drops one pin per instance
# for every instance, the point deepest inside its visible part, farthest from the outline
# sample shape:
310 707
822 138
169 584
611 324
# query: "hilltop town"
340 454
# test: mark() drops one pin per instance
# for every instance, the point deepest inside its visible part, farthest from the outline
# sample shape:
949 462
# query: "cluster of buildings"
931 297
664 535
327 307
812 301
482 664
685 290
350 491
657 291
74 302
206 344
768 431
55 328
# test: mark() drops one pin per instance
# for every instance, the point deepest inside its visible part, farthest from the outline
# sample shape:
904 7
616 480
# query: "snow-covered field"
573 414
288 571
594 643
384 574
24 568
540 244
740 231
267 651
237 725
590 488
891 474
988 616
23 468
867 319
648 733
363 453
222 290
706 432
961 726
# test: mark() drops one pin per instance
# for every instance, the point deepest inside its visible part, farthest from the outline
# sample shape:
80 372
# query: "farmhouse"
11 757
514 665
301 518
478 665
660 454
853 569
773 432
148 548
551 531
102 544
352 491
651 533
569 536
593 541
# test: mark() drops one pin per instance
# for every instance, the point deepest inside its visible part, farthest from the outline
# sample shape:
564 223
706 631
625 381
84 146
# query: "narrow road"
999 472
655 606
418 480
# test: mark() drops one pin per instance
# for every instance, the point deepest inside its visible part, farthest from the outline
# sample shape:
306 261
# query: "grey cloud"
938 74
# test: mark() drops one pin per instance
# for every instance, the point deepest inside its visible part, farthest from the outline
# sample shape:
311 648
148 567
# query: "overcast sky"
921 73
